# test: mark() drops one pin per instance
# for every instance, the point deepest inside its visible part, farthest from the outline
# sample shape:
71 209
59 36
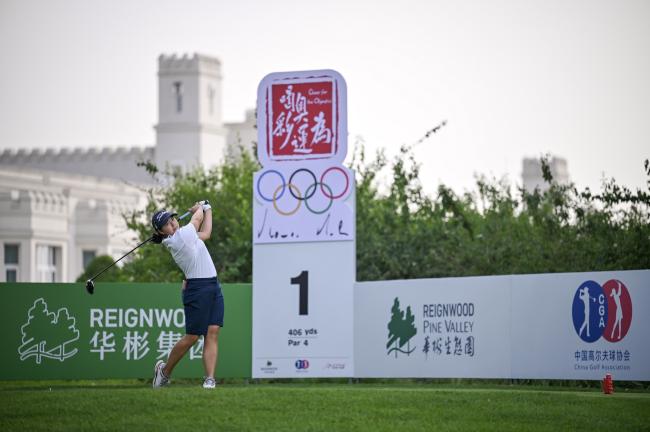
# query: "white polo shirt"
190 253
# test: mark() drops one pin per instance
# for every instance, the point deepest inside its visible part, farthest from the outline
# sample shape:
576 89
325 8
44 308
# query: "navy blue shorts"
203 303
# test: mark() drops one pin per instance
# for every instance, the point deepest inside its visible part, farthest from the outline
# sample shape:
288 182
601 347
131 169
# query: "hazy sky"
512 78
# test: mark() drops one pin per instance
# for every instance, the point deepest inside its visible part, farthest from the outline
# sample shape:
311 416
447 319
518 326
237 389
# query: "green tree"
229 188
405 233
113 274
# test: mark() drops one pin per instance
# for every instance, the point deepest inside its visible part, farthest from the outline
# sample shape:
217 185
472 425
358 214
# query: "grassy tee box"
59 331
133 406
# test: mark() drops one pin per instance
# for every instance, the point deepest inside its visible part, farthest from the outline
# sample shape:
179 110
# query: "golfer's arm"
197 218
206 228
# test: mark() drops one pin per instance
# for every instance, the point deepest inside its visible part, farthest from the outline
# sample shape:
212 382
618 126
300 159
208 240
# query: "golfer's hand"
195 207
157 238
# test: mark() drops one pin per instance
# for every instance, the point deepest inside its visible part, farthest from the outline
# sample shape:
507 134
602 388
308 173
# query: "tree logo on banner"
401 330
47 334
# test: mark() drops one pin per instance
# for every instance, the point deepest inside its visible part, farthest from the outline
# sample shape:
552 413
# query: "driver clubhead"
90 286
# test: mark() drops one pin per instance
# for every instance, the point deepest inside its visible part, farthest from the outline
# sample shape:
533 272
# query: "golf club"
90 284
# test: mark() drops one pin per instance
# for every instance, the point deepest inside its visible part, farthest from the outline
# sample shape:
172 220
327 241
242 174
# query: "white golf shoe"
209 383
159 378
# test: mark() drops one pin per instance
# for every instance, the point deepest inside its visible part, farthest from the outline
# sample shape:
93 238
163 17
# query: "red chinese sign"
302 116
302 120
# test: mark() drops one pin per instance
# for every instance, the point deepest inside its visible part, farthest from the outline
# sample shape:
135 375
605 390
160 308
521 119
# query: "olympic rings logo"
294 190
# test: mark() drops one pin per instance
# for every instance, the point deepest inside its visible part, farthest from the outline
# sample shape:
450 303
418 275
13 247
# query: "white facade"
115 163
50 220
190 131
241 136
59 206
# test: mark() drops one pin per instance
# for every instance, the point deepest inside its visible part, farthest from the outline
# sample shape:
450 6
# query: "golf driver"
90 284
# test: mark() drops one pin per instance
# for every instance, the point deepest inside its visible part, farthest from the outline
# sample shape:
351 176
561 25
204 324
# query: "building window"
11 262
11 254
12 275
48 263
178 93
211 94
87 257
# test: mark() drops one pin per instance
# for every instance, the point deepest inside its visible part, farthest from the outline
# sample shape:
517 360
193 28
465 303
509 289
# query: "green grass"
133 405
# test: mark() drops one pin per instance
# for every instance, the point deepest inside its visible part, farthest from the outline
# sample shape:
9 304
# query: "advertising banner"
581 325
58 331
548 326
446 328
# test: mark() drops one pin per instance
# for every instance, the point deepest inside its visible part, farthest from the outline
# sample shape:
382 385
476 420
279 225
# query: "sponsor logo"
334 366
602 311
269 368
302 364
401 329
47 334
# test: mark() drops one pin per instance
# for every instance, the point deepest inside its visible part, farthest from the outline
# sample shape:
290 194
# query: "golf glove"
157 238
206 205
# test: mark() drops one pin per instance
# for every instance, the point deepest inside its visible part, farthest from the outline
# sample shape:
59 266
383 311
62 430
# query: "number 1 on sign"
302 280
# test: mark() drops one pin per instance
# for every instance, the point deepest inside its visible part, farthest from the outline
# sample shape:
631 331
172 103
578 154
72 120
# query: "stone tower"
190 131
532 173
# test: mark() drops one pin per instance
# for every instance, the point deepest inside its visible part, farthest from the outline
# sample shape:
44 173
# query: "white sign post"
304 261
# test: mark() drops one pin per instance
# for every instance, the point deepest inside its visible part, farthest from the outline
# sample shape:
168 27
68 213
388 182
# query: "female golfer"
202 296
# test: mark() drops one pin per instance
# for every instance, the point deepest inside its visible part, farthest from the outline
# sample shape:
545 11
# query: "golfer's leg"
211 350
178 352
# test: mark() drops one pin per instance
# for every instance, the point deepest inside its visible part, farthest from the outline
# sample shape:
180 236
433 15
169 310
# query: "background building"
61 208
532 173
54 224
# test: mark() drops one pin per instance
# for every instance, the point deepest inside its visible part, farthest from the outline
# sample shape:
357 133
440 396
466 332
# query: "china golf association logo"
401 329
47 334
602 311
